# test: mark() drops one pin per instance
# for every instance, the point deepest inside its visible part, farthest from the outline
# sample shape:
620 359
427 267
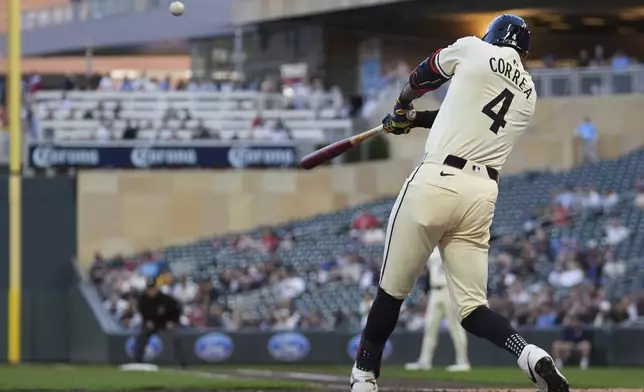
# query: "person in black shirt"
574 339
159 312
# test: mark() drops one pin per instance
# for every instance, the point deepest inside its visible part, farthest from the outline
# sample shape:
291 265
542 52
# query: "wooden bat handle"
361 137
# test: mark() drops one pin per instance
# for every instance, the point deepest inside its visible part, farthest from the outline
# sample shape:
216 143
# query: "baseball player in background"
448 201
439 307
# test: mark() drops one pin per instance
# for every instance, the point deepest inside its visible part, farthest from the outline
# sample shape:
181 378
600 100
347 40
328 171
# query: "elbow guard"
427 77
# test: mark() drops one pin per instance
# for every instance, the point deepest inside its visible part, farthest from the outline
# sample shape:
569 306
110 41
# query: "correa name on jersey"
241 157
512 73
46 157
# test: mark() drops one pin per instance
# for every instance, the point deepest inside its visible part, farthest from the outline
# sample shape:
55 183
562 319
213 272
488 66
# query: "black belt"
460 163
437 287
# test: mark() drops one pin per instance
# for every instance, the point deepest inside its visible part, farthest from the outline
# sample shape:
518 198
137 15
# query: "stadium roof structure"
70 29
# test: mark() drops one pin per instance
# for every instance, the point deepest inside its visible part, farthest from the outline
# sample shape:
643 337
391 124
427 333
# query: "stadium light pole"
14 94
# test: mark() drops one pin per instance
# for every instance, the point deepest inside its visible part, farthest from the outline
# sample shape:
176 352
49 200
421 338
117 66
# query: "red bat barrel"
325 154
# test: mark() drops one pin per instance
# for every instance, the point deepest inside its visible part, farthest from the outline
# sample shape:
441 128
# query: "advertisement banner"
166 157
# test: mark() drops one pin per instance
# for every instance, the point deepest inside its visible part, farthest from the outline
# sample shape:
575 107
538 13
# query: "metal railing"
599 81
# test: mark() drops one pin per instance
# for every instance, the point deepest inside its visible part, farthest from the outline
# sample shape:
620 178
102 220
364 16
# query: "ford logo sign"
289 346
214 347
352 348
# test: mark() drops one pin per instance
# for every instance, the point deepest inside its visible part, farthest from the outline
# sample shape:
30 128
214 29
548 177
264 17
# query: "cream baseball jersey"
489 103
436 272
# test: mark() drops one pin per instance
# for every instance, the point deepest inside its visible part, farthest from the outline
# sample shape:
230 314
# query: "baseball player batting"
448 200
440 306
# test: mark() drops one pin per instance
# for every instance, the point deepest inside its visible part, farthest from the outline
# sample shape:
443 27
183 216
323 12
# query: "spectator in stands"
203 132
639 192
517 293
103 133
131 131
292 286
220 317
565 275
97 270
364 221
69 83
559 214
170 113
613 268
547 316
610 200
620 61
639 307
88 114
270 241
106 83
65 105
193 85
566 197
575 339
259 129
182 85
341 321
598 57
206 293
584 59
185 290
118 109
591 202
127 84
615 232
587 134
623 312
279 132
166 84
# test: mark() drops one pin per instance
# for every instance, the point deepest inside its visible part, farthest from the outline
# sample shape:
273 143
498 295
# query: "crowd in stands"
536 279
115 121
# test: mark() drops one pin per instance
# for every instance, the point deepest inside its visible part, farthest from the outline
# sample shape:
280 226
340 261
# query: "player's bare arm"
426 77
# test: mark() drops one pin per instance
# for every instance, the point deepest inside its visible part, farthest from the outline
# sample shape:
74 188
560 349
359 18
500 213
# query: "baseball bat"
333 150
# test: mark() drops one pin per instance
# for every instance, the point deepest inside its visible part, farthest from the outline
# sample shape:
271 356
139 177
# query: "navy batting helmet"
509 30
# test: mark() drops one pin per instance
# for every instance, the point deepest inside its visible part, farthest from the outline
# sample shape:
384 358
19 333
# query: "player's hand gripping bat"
333 150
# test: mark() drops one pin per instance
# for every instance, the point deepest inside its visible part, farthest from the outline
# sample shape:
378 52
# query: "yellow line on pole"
14 93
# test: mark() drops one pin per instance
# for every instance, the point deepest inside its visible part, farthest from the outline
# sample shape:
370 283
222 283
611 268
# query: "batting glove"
398 122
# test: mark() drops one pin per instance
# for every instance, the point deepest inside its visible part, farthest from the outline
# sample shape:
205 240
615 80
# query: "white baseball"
176 8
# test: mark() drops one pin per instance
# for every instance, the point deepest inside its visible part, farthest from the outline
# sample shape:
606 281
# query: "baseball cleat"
459 368
362 381
539 366
418 366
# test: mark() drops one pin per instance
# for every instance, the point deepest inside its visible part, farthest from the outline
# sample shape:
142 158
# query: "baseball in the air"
176 8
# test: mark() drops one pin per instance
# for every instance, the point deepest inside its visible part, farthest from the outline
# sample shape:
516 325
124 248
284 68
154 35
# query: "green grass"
52 378
495 376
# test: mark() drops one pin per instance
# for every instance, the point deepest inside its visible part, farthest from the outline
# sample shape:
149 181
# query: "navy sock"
487 324
381 323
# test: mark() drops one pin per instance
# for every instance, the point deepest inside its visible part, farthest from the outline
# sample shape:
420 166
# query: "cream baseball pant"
439 307
446 207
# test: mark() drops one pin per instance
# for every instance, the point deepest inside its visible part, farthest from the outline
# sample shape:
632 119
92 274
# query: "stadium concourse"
564 244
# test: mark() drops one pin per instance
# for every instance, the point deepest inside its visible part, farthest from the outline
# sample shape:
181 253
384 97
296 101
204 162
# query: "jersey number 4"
498 118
